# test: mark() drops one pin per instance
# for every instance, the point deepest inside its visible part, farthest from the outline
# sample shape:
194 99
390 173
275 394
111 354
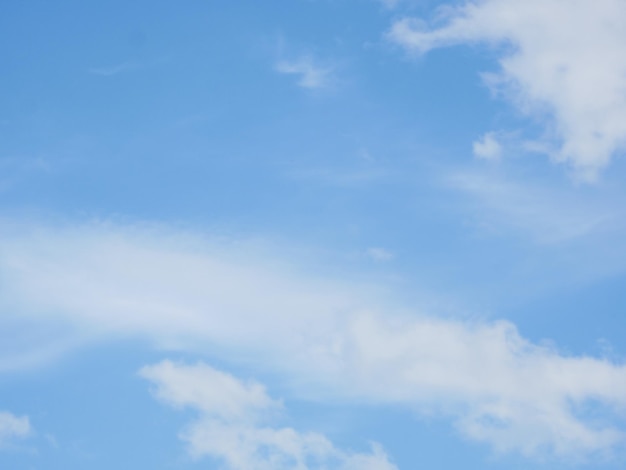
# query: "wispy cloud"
309 72
326 338
566 59
545 214
234 424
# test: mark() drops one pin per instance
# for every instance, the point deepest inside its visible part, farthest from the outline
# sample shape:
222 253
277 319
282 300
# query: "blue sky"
313 234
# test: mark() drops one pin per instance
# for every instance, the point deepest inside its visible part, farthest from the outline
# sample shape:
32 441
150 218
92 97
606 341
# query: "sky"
313 234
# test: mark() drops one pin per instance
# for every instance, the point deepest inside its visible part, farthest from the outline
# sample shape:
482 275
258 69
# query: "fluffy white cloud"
231 424
12 427
311 74
560 57
327 339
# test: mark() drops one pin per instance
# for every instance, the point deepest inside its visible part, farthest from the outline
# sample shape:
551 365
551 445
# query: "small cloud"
13 427
488 148
311 74
380 254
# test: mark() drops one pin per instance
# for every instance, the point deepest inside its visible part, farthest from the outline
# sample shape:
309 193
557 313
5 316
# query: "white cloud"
232 424
208 390
560 57
12 427
488 148
327 339
311 74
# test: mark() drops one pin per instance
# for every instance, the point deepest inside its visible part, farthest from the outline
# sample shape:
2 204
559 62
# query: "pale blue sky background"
244 184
